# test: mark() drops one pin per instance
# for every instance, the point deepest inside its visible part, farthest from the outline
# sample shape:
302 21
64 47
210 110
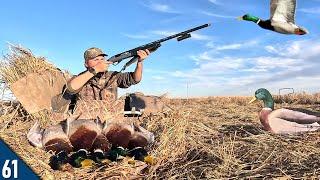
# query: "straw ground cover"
203 138
216 137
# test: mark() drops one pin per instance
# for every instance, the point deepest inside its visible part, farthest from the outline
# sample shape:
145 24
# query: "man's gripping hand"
143 54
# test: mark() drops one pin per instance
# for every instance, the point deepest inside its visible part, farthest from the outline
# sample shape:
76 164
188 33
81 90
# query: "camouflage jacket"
104 86
101 89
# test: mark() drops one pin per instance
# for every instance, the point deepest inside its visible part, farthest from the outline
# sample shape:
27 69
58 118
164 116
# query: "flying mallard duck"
282 18
285 120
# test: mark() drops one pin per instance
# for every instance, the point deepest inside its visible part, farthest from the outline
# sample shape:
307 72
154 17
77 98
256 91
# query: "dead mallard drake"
53 138
69 135
127 135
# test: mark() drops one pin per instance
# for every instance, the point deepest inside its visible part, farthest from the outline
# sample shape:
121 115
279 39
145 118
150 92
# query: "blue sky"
229 58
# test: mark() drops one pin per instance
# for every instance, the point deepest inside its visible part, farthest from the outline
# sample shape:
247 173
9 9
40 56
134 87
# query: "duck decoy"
285 120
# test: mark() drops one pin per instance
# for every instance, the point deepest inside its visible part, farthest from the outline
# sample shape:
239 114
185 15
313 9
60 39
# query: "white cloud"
136 36
163 32
297 49
216 2
314 10
222 64
198 36
164 8
233 46
275 62
229 46
194 35
158 77
154 35
201 57
216 15
291 64
255 70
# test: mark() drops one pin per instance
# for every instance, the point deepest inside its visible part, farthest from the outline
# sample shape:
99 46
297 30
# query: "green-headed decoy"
285 120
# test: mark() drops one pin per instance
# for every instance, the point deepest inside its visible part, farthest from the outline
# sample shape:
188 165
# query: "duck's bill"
87 163
240 18
253 100
149 160
300 31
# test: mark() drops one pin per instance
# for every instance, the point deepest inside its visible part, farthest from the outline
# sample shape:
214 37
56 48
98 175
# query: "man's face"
93 62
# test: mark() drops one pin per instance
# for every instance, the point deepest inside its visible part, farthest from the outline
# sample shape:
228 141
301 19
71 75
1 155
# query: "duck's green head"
116 153
248 17
264 95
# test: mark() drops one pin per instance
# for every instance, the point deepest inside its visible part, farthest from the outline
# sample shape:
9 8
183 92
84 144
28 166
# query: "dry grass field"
203 138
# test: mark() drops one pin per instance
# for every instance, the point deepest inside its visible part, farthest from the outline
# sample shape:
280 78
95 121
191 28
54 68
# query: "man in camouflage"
99 84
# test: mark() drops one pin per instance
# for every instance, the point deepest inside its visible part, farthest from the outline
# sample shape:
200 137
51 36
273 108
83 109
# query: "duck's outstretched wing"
300 116
273 7
283 10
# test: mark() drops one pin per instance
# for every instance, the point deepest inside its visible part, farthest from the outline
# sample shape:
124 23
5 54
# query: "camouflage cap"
93 53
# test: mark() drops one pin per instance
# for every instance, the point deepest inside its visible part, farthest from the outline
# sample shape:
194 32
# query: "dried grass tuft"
20 62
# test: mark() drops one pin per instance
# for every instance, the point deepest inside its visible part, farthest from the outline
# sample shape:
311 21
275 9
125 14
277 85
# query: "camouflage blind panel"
36 90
